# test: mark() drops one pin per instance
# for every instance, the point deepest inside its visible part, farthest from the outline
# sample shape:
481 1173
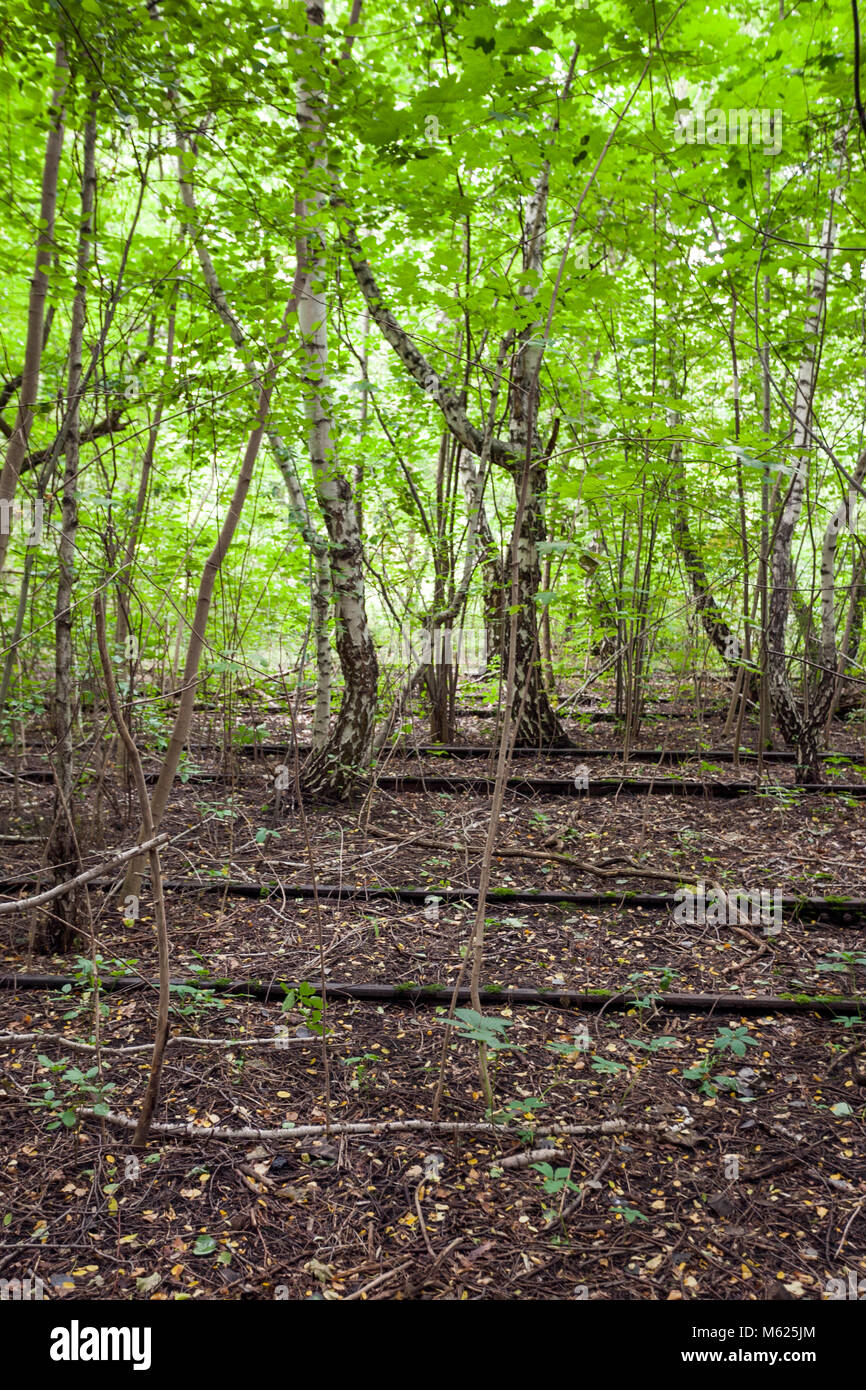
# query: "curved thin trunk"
300 512
213 564
19 440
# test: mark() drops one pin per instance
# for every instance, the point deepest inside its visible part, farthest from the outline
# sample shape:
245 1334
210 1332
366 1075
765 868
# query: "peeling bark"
332 770
535 720
416 363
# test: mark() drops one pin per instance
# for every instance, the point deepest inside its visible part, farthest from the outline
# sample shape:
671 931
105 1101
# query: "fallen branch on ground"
194 1131
409 993
515 852
177 1040
21 904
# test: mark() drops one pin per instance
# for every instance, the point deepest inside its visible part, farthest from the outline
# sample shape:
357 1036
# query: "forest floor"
732 1166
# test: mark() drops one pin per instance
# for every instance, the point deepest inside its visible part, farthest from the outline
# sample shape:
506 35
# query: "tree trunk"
855 627
58 928
847 661
534 718
447 615
19 440
712 618
800 726
332 771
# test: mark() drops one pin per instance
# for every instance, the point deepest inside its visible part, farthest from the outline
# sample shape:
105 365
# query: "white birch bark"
333 769
416 363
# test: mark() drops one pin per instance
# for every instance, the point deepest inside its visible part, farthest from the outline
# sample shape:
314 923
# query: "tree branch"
416 363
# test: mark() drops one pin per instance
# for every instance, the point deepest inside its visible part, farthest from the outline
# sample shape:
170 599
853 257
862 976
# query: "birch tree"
333 769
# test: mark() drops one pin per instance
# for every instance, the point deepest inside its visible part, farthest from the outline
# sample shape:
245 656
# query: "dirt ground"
732 1163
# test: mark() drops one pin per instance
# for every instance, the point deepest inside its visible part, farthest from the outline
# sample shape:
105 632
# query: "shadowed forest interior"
432 651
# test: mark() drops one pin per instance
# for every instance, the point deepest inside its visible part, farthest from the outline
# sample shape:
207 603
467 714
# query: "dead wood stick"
744 964
763 948
530 1156
19 904
177 1040
592 1184
193 1131
380 1279
546 856
849 1223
